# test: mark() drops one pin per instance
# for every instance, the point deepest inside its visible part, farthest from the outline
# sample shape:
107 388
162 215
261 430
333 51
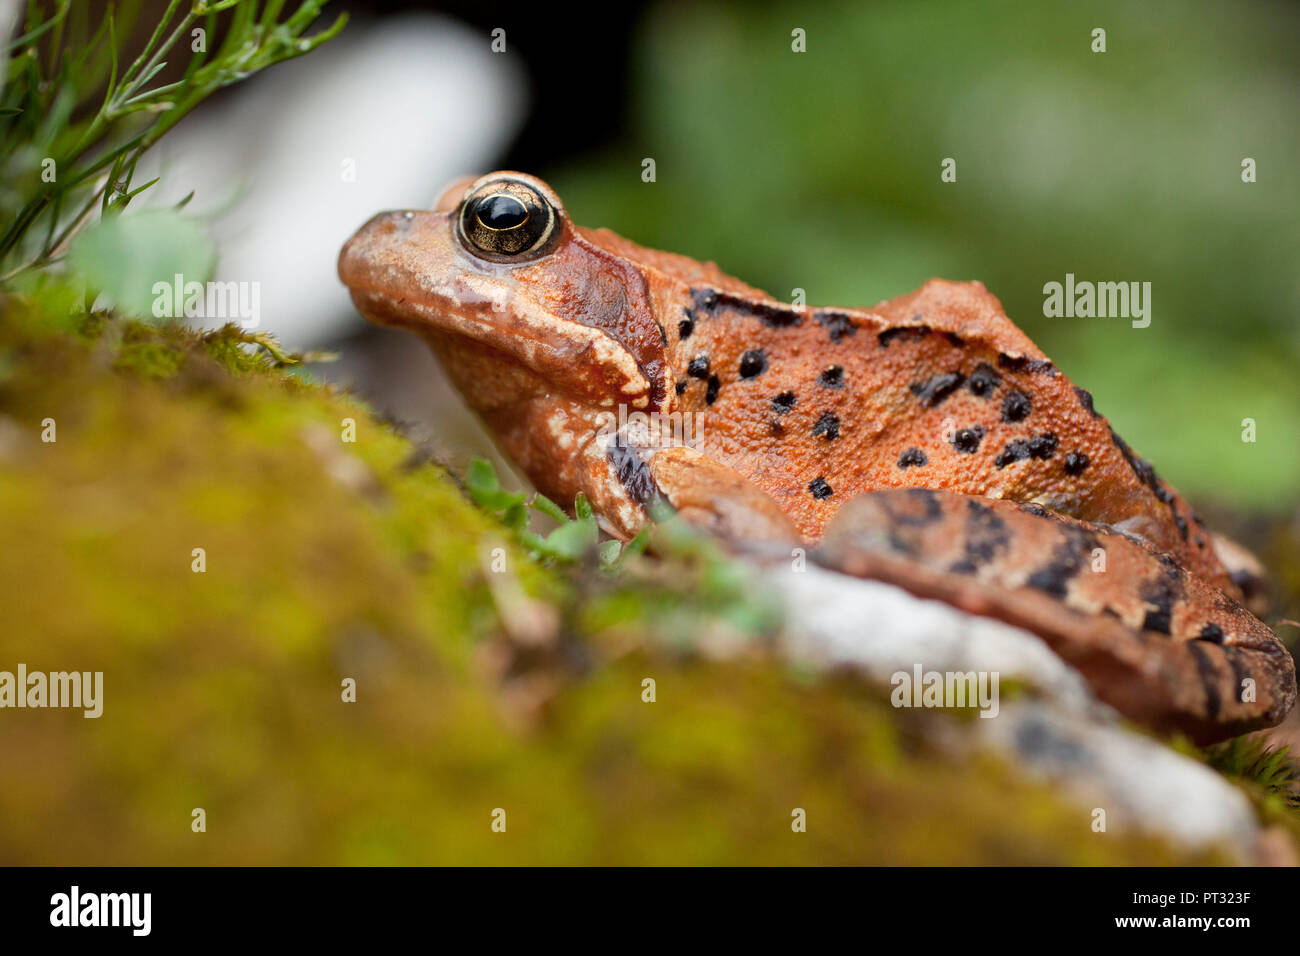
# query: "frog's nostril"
397 221
383 224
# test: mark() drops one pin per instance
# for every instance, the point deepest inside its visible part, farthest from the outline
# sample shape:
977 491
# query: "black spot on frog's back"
828 426
1016 406
1022 363
912 458
1146 474
836 324
967 440
753 363
1041 447
705 300
687 325
783 402
902 333
832 377
984 380
775 315
935 389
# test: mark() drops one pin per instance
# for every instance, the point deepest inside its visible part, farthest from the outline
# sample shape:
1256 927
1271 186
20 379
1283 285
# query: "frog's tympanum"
925 441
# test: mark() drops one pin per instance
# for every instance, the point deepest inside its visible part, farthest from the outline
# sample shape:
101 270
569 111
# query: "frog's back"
935 389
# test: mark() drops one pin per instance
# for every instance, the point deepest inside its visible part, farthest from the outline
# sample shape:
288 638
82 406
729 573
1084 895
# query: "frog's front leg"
718 499
627 472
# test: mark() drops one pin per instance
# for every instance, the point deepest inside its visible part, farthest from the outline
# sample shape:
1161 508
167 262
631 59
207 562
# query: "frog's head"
498 266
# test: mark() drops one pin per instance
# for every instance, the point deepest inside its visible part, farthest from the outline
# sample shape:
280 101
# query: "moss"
1267 771
328 559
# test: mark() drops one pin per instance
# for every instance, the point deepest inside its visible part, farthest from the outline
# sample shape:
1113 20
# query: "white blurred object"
406 104
8 20
9 24
1060 733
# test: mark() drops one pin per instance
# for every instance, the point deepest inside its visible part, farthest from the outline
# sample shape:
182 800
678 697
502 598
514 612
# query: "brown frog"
973 471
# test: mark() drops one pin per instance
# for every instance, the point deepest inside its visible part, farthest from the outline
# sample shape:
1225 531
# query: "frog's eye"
507 221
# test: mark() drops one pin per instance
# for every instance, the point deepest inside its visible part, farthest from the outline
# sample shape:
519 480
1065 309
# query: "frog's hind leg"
1162 646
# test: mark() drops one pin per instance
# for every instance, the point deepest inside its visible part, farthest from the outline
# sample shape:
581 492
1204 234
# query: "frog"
924 441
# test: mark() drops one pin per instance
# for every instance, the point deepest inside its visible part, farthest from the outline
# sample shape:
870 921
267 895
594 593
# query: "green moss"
328 559
1269 774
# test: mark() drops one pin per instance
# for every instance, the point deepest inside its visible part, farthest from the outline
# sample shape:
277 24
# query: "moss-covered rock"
326 559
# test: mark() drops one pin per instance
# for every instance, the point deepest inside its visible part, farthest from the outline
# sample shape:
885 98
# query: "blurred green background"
821 171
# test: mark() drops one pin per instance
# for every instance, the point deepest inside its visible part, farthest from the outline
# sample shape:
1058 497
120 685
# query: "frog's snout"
373 250
359 252
384 261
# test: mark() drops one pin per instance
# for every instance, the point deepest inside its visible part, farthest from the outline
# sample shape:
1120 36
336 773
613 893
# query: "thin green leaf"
27 39
549 508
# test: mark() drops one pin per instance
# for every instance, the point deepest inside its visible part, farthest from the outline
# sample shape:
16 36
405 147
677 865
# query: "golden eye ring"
507 220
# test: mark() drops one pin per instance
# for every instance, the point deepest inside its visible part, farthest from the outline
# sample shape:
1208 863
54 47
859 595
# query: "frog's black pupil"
501 212
507 221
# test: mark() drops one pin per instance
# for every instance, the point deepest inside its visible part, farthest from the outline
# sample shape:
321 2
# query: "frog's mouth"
406 270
